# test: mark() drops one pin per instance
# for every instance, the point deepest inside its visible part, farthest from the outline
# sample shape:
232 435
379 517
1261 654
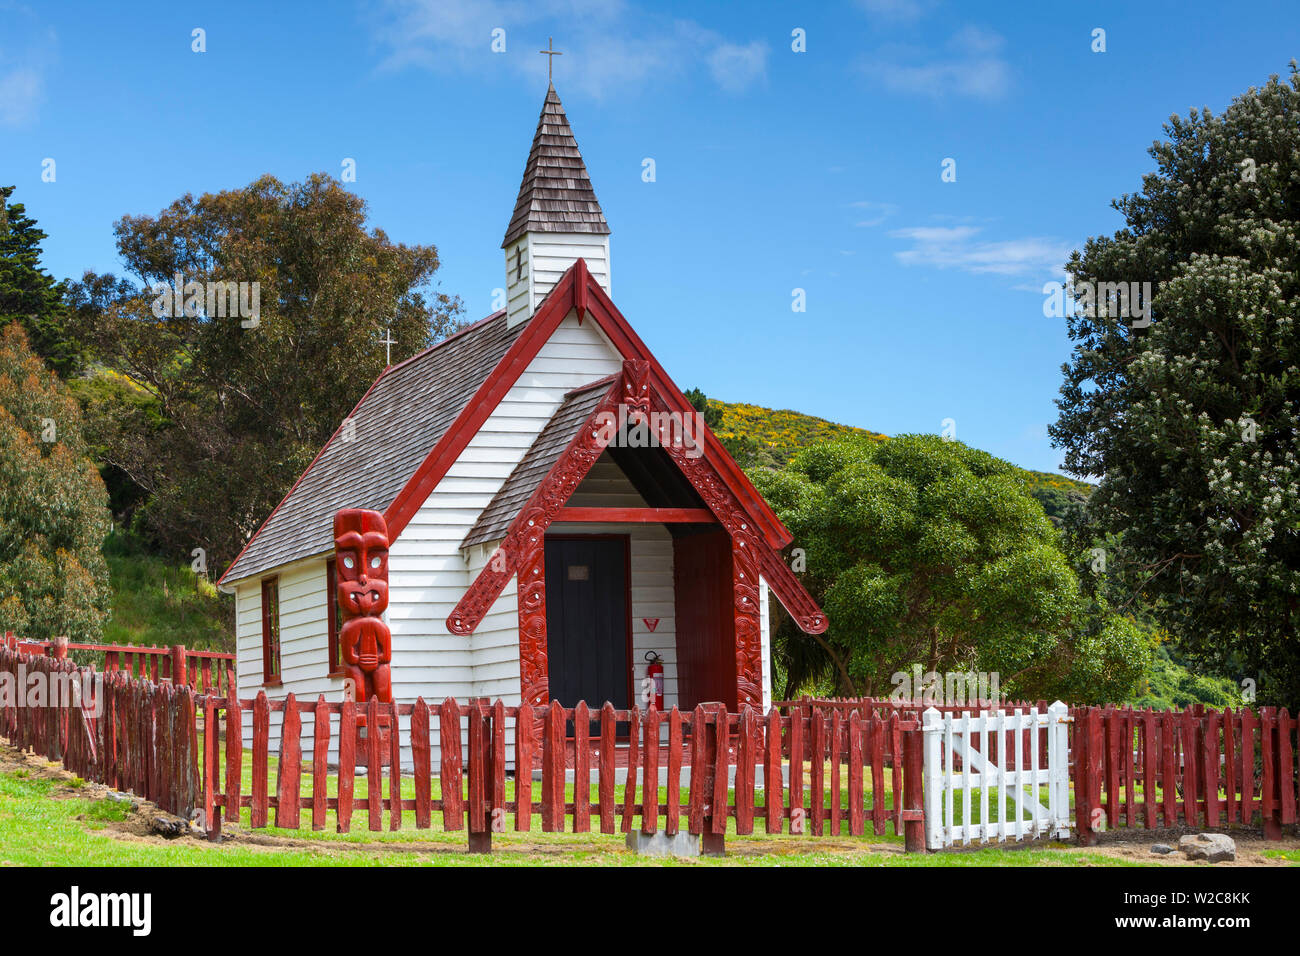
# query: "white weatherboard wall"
304 647
537 260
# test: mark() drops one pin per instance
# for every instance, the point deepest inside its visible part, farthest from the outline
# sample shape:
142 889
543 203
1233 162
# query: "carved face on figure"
361 560
636 386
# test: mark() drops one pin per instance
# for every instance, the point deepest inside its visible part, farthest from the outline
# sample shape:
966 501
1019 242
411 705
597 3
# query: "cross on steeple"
388 342
551 52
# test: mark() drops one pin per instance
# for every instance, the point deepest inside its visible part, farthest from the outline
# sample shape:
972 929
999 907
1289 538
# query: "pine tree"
28 294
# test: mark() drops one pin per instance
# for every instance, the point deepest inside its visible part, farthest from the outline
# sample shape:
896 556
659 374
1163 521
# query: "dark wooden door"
588 627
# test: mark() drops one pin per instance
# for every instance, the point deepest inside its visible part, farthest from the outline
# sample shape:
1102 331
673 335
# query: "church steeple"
557 219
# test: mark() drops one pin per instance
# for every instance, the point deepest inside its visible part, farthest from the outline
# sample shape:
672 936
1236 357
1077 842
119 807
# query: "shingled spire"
557 219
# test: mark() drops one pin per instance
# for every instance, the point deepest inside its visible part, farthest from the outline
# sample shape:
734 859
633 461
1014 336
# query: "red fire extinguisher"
655 672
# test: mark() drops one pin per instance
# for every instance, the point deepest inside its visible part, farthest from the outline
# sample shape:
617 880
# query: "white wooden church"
533 556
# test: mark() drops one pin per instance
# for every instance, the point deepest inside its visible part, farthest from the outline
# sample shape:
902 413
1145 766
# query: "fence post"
914 821
1058 762
179 675
932 724
1087 771
59 647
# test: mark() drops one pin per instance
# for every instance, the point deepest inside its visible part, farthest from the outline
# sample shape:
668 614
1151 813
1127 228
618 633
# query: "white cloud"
608 45
20 92
957 247
876 212
971 66
736 68
27 49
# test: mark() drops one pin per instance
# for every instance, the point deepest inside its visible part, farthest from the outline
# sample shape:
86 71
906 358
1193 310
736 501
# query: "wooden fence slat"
553 770
422 764
697 796
1230 775
837 731
650 773
1150 773
722 760
1210 750
818 760
210 769
1130 766
772 777
607 750
1190 783
479 784
746 757
896 745
1168 778
394 772
1249 722
633 759
798 748
320 763
288 774
879 814
855 774
581 768
496 817
673 790
347 765
449 777
1286 766
525 748
1111 721
261 743
374 768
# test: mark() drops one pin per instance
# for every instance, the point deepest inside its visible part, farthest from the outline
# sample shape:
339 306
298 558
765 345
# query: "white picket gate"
1012 782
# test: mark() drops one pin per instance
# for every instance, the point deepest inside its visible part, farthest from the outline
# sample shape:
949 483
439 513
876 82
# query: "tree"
1189 413
700 402
53 507
208 413
28 294
927 552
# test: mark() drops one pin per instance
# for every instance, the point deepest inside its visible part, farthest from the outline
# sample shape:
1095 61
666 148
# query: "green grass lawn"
37 828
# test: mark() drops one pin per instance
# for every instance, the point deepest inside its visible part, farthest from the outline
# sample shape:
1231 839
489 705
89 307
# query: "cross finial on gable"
551 52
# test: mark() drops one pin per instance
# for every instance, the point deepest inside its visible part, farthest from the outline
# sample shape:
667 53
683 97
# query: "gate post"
914 825
1085 732
932 725
1058 765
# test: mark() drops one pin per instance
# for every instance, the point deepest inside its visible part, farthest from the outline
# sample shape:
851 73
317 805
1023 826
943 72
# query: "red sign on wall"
651 622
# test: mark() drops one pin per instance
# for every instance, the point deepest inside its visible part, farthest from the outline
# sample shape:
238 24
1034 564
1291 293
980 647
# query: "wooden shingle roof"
555 194
536 463
403 416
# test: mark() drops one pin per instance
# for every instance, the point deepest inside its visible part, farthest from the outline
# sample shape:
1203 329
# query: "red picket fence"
128 734
1196 768
714 754
206 672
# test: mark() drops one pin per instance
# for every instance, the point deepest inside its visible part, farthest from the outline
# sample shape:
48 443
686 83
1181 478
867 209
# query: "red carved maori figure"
361 560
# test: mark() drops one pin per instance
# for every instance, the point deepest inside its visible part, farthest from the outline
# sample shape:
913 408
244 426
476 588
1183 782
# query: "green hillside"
765 438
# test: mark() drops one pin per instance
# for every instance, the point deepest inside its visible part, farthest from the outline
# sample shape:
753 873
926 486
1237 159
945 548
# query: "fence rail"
204 671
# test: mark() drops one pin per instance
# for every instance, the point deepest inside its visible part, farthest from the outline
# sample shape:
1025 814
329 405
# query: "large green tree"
28 294
53 506
1189 415
927 552
209 418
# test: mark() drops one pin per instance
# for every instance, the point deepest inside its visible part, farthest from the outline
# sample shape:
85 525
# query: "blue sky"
775 169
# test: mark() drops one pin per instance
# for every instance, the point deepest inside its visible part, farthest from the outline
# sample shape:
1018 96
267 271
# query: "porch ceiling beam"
638 515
